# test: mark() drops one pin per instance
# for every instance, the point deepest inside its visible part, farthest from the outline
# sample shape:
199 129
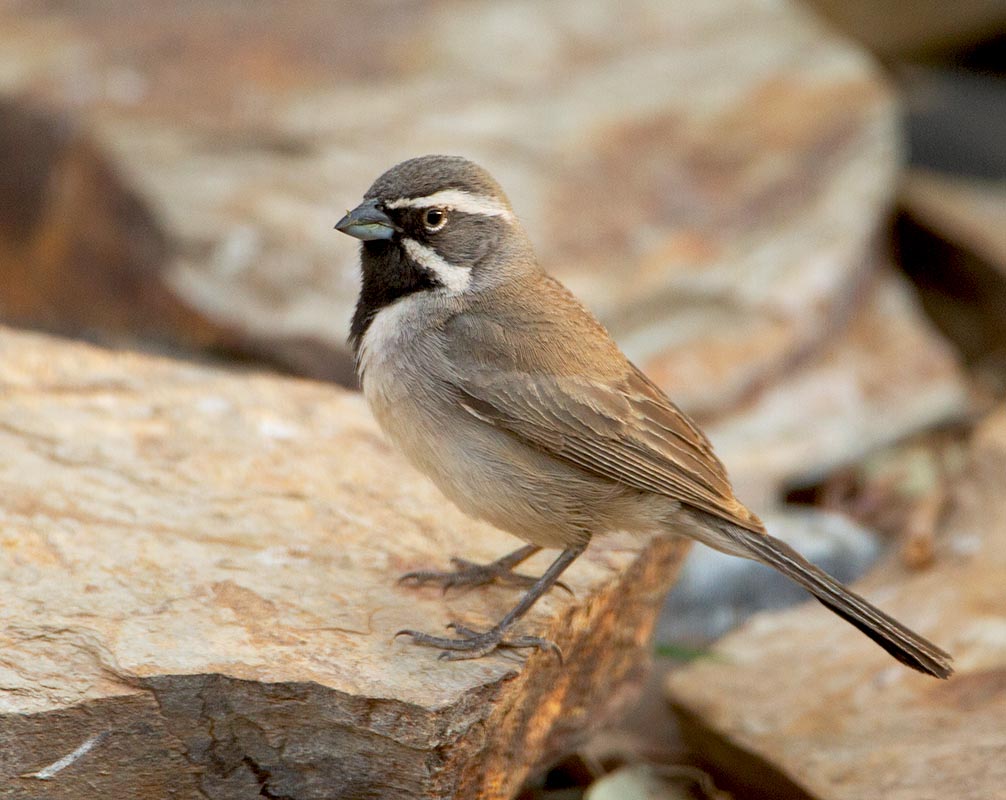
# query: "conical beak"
367 222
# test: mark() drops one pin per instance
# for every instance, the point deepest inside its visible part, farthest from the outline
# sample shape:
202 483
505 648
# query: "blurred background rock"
793 216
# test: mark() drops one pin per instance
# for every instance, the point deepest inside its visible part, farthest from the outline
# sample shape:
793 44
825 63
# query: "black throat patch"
388 275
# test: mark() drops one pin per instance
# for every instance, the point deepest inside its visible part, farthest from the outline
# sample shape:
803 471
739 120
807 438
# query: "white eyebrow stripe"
458 200
456 279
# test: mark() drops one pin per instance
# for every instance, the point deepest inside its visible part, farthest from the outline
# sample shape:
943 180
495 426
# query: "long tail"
905 645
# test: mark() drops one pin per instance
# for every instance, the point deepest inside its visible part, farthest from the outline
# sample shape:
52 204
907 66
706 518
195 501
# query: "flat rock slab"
198 571
883 376
800 705
707 177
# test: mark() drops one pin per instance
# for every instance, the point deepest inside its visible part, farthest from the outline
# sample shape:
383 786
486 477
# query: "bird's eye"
435 219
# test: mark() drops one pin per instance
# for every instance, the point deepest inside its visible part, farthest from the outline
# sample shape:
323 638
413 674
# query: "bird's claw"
468 574
471 643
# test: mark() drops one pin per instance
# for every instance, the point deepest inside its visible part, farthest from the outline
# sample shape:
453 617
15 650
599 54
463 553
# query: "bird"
494 381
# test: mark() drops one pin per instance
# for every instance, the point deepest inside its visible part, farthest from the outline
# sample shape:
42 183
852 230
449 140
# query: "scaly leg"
475 644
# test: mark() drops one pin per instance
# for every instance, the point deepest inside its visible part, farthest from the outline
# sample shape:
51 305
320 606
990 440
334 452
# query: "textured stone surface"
830 713
706 176
198 568
883 375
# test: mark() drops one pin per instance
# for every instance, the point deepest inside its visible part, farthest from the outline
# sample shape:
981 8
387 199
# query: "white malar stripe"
455 279
457 200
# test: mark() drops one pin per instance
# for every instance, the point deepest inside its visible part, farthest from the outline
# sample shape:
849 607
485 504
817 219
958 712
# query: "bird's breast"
382 343
488 473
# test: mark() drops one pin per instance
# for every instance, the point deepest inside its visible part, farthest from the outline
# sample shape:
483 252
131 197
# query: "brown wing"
538 365
626 431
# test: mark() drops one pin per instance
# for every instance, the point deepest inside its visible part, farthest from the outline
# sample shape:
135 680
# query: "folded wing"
627 432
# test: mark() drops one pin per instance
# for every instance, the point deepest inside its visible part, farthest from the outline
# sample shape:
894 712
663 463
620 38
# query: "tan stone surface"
883 375
828 711
706 176
199 567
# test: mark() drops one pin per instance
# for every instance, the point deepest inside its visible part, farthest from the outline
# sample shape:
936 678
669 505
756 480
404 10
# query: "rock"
951 244
199 579
80 252
716 592
897 28
83 254
803 700
885 375
649 782
707 178
969 212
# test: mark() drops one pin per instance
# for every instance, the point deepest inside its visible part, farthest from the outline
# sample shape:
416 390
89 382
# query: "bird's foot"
470 574
475 644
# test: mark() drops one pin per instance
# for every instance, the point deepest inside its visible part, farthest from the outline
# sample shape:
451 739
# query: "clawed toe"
469 575
427 577
471 643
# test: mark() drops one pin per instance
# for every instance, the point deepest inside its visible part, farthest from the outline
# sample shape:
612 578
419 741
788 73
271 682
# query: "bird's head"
435 223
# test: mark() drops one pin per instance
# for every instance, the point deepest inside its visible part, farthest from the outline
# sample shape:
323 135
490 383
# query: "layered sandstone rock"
200 600
707 178
799 699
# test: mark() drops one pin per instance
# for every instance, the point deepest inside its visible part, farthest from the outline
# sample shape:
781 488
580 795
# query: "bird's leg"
474 644
468 573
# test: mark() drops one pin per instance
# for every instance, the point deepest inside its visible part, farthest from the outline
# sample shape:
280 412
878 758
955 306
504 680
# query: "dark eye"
435 219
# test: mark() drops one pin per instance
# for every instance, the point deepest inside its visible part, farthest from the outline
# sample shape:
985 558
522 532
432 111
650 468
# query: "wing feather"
628 432
547 372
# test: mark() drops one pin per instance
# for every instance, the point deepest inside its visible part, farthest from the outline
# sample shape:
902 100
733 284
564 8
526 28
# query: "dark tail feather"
905 645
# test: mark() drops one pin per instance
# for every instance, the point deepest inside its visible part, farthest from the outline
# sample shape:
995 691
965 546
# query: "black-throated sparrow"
500 386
